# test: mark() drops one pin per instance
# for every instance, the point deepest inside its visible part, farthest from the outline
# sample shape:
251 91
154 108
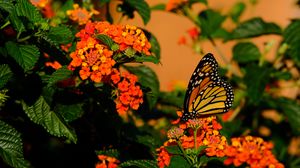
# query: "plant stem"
6 24
195 139
23 39
184 153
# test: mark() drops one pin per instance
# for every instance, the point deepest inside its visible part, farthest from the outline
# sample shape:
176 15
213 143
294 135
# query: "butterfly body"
207 93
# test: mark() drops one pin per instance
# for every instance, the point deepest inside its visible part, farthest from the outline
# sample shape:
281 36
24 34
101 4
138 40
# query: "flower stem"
6 24
184 153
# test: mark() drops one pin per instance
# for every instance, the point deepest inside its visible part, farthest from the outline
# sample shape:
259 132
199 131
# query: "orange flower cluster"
39 3
81 15
126 36
251 150
107 162
207 135
128 93
174 4
95 58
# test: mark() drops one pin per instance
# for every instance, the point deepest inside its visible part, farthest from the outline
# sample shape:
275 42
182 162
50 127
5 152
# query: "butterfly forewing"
206 93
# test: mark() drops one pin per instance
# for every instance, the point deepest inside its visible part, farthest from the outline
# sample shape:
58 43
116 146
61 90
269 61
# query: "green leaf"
245 52
291 109
7 5
5 74
40 114
171 98
178 162
68 5
147 78
140 163
59 75
210 21
69 112
26 9
291 37
142 8
25 55
159 7
60 34
11 146
281 75
146 58
237 10
106 40
16 22
256 79
155 47
253 28
110 152
174 149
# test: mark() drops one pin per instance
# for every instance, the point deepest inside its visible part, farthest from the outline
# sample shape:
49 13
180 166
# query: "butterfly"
207 94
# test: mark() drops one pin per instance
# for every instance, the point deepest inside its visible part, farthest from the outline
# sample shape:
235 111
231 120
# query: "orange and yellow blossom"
251 150
107 162
40 3
129 94
81 15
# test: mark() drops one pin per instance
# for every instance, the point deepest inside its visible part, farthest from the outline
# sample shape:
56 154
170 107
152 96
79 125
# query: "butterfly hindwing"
207 93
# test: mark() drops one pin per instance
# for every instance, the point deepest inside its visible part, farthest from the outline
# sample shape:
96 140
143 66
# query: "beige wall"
178 62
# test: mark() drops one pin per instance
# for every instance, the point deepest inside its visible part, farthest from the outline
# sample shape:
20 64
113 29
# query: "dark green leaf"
142 8
145 58
237 11
245 52
5 74
178 162
41 114
105 39
16 22
256 79
174 149
25 55
161 7
291 109
69 112
171 98
253 28
11 146
7 5
140 164
292 38
210 21
68 5
147 78
110 152
59 75
281 75
129 52
26 9
155 47
60 34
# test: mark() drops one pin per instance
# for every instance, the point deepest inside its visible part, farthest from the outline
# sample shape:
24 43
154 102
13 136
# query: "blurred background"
178 61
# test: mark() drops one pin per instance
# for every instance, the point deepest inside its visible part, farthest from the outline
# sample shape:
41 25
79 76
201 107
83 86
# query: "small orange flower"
164 157
55 65
251 150
39 3
182 40
80 15
174 4
194 33
107 162
128 93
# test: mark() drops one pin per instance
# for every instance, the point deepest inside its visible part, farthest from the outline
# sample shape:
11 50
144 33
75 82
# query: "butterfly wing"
206 93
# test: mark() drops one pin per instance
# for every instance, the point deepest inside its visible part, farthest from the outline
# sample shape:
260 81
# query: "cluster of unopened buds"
204 132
